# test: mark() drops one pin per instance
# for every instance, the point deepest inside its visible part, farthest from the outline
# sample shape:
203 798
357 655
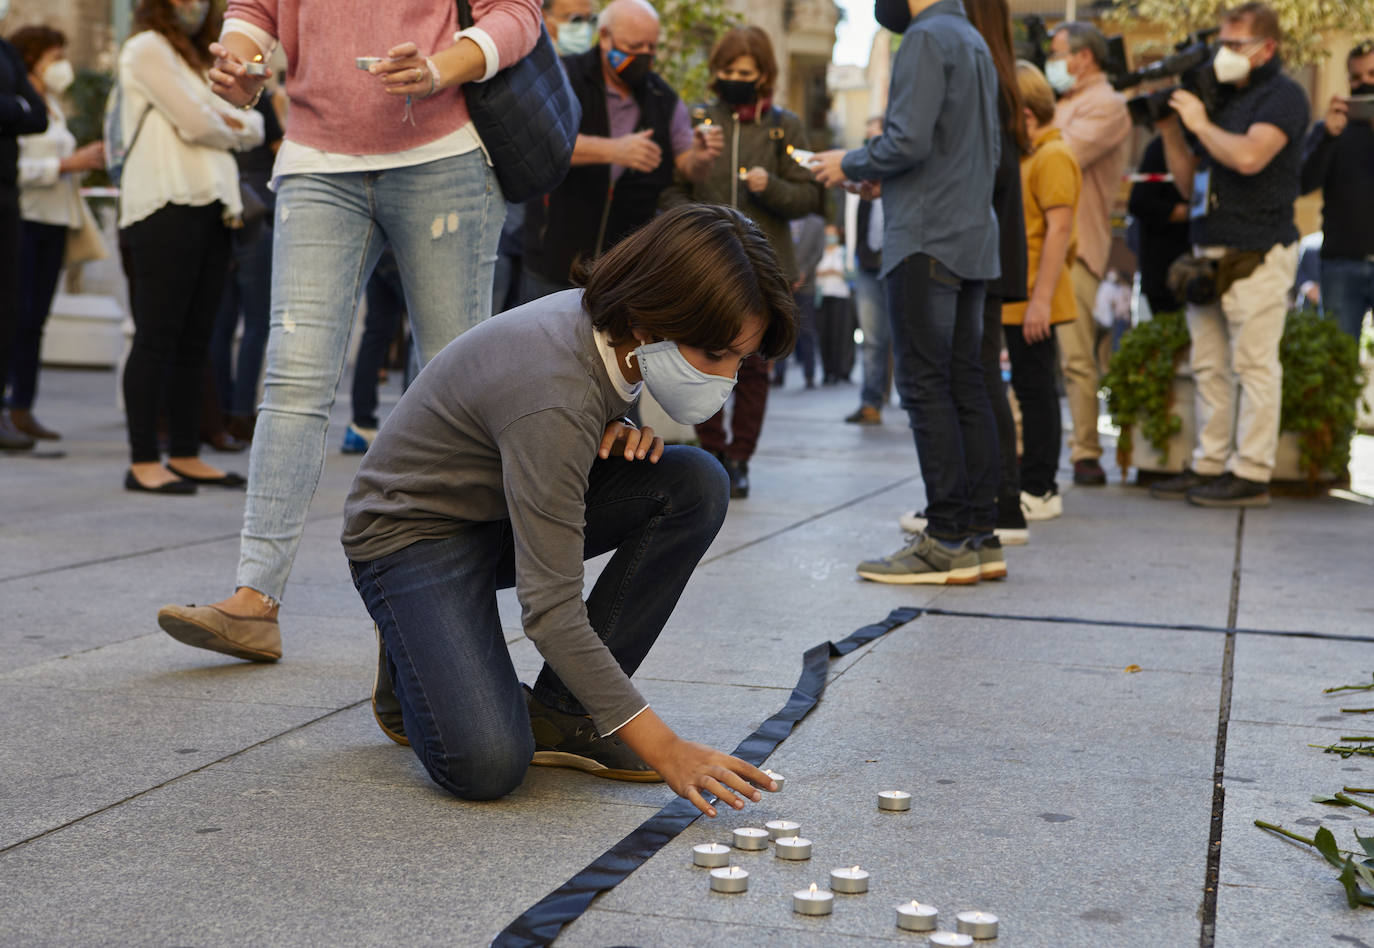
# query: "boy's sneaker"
866 415
1011 529
1048 507
1228 490
925 561
570 740
1178 486
357 440
385 708
991 563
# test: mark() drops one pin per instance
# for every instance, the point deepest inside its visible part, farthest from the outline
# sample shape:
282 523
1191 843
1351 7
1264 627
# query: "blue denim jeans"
442 219
937 333
871 303
435 605
248 291
1347 292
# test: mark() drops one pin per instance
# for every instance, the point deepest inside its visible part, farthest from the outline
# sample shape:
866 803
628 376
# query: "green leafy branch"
1140 383
1356 877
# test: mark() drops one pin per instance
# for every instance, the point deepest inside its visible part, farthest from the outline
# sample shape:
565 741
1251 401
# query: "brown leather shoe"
256 640
23 419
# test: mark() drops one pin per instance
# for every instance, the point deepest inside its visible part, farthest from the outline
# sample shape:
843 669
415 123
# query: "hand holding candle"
255 66
693 770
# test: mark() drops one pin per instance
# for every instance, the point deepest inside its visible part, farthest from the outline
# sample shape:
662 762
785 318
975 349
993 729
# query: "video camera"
1190 62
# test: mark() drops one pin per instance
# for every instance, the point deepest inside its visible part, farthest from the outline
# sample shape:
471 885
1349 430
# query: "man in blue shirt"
934 163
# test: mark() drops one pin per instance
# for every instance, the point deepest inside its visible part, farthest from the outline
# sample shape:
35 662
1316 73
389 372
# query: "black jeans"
42 248
9 275
178 257
1042 431
386 304
1010 488
937 332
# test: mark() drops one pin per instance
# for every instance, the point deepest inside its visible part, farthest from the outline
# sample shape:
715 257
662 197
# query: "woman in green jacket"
759 174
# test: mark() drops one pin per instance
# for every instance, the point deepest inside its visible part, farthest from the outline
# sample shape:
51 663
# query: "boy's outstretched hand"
635 444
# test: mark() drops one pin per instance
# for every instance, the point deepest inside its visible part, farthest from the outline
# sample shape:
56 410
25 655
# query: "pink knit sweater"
339 108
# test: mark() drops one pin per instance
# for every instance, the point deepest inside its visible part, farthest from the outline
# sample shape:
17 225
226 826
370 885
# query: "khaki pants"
1236 341
1083 348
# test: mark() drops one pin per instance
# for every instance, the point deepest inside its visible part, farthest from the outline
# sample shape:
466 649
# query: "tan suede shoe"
257 640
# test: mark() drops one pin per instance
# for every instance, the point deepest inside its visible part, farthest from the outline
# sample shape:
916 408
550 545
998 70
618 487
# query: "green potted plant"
1322 383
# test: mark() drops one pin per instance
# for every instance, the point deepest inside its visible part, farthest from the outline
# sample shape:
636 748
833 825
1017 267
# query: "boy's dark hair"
693 275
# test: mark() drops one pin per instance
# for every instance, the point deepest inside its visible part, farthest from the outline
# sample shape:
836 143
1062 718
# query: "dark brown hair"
693 275
33 41
992 19
1263 20
747 41
157 15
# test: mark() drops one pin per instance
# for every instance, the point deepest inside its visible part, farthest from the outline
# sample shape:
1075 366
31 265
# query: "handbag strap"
464 15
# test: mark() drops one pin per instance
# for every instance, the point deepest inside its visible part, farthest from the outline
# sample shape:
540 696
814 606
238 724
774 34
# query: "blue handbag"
527 117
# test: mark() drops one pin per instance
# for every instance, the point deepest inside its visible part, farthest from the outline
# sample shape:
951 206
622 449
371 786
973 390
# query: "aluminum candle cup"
731 879
792 847
780 828
850 880
915 916
711 855
813 901
978 924
750 837
950 940
255 68
894 800
367 62
776 777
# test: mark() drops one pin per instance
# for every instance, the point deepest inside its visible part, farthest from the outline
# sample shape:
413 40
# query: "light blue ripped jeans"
443 219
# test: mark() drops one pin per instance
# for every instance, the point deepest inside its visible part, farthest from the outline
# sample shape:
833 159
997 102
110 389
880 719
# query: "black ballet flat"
171 487
227 480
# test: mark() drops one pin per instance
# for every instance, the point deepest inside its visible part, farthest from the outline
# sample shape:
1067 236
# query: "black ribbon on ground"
541 922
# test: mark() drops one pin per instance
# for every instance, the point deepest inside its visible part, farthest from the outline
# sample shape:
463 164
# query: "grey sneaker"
991 563
925 561
1177 487
385 708
570 740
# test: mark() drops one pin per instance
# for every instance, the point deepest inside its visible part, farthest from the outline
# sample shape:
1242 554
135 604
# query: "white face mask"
1057 72
4 8
59 76
1230 66
687 394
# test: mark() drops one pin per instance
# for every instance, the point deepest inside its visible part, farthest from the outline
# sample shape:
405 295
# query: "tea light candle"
792 847
732 879
750 837
913 916
776 777
367 62
894 800
256 67
851 880
951 940
743 173
813 901
978 924
710 855
779 828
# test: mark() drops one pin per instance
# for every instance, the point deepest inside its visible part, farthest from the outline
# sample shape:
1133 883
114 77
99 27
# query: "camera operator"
1241 169
1339 159
1096 125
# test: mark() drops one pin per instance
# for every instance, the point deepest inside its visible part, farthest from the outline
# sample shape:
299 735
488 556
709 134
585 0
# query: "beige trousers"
1236 342
1081 348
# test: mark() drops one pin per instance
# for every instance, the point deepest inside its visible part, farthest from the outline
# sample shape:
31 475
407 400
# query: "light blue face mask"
1057 74
687 394
574 38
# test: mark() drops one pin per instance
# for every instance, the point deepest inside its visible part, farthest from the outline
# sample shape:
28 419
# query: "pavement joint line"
197 699
864 937
807 520
1208 935
182 776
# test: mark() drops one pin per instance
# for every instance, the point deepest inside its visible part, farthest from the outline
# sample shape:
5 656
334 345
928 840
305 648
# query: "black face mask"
894 15
632 68
1363 89
736 91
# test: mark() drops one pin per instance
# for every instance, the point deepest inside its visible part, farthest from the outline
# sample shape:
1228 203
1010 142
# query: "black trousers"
1010 489
43 248
9 276
1042 431
178 258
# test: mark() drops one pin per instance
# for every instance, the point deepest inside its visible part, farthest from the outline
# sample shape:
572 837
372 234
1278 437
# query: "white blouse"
181 156
46 195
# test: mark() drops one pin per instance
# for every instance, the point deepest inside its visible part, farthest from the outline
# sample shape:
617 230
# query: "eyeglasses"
1238 45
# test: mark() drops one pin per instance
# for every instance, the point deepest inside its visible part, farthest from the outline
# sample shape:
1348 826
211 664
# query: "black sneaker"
1228 490
1177 487
385 708
570 740
1088 473
739 477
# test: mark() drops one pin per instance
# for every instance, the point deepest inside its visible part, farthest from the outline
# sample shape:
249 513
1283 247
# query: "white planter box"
84 330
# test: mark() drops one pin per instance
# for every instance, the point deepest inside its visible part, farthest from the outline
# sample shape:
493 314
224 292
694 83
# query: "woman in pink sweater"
377 152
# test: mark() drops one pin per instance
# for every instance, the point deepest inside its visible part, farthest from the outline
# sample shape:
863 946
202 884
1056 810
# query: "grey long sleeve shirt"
504 423
937 155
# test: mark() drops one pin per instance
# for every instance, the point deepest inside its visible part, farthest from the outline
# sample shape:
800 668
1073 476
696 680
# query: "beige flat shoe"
256 640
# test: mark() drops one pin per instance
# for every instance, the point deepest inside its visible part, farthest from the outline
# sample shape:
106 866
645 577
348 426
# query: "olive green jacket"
792 191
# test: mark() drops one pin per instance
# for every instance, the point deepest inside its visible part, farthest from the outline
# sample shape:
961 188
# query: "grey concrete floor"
155 794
